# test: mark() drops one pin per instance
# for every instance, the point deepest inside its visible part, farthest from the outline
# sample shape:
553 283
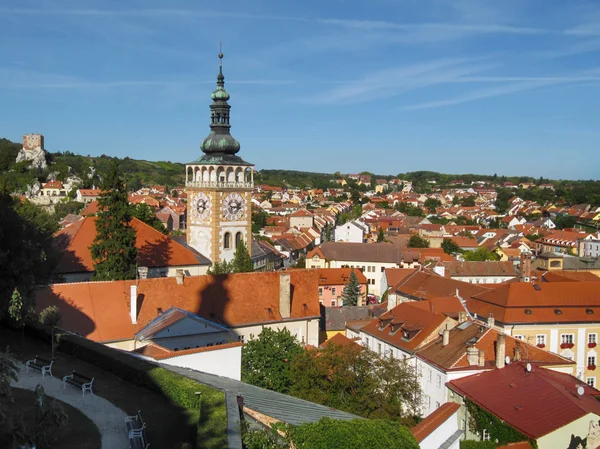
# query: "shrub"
472 444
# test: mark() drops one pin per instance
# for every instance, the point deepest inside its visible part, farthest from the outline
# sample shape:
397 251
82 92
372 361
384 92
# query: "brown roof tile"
434 420
479 268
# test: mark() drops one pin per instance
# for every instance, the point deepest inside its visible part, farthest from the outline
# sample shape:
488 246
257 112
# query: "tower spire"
220 141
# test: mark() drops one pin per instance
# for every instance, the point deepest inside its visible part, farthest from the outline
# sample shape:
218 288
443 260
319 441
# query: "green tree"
480 254
351 292
267 360
61 210
241 263
468 201
329 433
432 204
355 196
259 220
380 235
114 251
450 247
50 317
220 268
19 312
146 214
356 380
416 241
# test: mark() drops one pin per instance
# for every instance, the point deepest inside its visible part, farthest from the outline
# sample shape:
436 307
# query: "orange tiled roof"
339 340
154 248
434 420
99 311
158 352
569 276
425 285
339 276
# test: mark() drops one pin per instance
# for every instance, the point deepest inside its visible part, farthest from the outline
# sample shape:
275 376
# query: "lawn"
79 433
168 424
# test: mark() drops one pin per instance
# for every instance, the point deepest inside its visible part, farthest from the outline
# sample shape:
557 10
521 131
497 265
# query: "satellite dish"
580 390
528 367
507 359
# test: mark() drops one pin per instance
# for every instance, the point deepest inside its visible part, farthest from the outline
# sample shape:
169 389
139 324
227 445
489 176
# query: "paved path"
109 419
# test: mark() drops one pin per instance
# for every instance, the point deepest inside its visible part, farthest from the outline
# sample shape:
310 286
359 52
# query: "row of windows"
227 240
540 339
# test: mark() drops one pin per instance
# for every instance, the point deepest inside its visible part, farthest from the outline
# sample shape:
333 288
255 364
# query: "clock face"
233 206
201 206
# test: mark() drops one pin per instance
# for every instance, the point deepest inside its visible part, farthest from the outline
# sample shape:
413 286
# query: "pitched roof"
426 285
335 318
339 340
100 310
549 302
428 425
569 276
362 252
453 356
154 248
479 268
395 275
513 395
390 327
158 352
339 276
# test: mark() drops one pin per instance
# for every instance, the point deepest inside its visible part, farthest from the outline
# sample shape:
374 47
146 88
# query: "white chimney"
179 275
285 299
491 321
472 356
445 337
392 301
481 358
462 317
133 303
500 350
440 269
143 272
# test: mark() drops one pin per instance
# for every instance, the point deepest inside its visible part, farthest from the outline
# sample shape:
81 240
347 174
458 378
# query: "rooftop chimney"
481 361
133 303
490 321
440 269
445 337
179 275
285 297
392 300
500 350
525 267
142 272
472 355
462 317
517 354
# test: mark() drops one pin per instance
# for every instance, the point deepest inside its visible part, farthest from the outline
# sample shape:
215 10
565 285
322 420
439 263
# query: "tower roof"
220 147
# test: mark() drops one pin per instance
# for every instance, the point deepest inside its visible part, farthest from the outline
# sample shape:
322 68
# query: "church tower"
219 187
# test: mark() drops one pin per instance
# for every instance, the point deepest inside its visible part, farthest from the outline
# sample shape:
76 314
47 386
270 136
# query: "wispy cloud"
577 48
394 81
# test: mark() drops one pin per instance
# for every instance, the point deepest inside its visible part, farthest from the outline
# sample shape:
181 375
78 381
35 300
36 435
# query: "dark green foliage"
8 154
259 220
500 431
220 268
292 178
9 371
328 433
146 214
380 235
263 438
468 201
241 263
409 209
416 241
27 256
480 254
431 204
472 444
180 390
114 251
450 247
61 210
50 420
267 360
351 292
358 381
564 221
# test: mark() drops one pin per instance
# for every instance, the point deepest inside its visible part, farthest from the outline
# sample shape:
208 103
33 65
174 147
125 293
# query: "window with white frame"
367 342
430 375
568 339
592 338
379 348
333 303
439 380
320 291
591 360
519 337
428 402
540 339
591 381
241 338
333 291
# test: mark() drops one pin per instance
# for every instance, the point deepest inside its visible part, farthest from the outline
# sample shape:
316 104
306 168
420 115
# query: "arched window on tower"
238 239
227 240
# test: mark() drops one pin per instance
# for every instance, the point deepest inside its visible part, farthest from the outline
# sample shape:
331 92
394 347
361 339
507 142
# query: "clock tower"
219 187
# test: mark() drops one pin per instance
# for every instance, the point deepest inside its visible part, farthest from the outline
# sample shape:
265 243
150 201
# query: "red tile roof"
426 285
158 352
154 248
570 276
434 420
553 302
536 403
339 276
100 310
479 268
339 340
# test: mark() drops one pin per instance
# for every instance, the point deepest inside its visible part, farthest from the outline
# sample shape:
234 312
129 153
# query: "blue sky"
458 86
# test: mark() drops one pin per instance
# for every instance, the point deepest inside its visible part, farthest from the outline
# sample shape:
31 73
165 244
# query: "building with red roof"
332 282
550 408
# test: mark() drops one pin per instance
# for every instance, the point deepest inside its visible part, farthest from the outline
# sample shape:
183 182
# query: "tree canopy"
241 263
450 247
114 252
480 254
351 292
416 241
267 359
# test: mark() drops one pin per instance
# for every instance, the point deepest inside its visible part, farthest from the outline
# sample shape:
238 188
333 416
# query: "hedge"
212 433
472 444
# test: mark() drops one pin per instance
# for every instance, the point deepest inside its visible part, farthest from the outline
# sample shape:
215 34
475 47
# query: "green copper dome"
220 143
220 94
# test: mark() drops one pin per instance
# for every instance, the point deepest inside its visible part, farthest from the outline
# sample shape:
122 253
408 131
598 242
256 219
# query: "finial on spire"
220 54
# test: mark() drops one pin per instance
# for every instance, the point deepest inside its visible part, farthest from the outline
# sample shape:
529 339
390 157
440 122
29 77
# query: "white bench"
80 381
40 364
136 430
